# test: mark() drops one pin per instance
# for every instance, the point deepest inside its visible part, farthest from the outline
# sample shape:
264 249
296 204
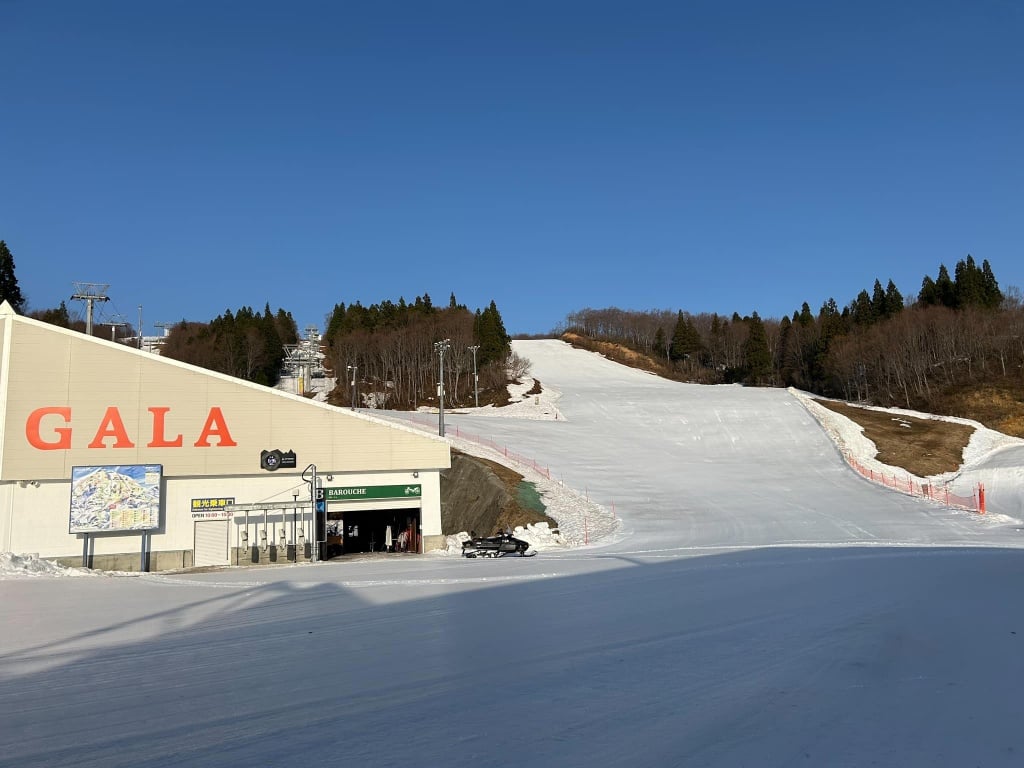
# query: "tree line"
960 329
879 348
395 350
244 344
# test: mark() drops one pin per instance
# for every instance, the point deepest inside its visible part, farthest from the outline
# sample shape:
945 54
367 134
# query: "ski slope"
760 605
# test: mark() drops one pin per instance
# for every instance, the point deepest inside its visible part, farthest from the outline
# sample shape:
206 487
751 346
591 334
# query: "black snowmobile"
496 546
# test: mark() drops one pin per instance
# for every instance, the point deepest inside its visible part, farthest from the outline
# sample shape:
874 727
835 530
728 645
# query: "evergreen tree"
862 311
9 289
686 342
58 316
992 296
785 354
928 296
878 301
287 330
893 300
756 352
945 290
495 343
968 284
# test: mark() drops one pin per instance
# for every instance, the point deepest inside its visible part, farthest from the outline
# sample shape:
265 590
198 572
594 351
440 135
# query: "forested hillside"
955 348
244 344
396 349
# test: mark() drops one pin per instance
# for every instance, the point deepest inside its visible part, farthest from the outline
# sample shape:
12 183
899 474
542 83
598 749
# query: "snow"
742 599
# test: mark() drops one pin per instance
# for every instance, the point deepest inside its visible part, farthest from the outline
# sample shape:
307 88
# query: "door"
211 542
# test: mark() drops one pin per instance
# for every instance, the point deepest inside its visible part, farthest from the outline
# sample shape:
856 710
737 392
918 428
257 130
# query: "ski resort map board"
109 499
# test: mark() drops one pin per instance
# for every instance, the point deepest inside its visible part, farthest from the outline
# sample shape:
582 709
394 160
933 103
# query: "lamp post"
476 379
353 369
441 347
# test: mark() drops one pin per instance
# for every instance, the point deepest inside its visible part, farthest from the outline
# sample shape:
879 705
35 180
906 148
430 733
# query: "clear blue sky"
708 156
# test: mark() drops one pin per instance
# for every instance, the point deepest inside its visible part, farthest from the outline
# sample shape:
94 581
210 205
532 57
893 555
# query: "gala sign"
50 429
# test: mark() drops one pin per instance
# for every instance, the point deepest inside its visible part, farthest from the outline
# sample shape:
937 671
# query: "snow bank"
32 566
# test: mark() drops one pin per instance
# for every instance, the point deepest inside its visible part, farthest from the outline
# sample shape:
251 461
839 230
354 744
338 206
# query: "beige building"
123 459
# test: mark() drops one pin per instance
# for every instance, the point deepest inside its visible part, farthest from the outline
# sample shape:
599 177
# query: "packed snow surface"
725 592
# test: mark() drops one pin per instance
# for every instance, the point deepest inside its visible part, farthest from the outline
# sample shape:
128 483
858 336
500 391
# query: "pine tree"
893 300
968 285
686 342
495 343
878 301
9 289
58 316
928 296
862 311
755 349
806 316
945 290
993 297
784 363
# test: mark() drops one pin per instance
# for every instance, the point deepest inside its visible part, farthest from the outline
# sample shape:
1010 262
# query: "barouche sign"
364 492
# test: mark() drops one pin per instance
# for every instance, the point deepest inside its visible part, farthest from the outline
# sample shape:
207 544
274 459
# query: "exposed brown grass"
997 405
921 446
616 352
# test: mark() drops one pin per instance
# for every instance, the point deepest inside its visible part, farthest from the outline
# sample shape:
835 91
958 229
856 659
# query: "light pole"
476 380
441 347
353 369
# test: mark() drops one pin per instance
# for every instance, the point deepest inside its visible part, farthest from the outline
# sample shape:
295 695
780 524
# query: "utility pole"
441 347
90 293
353 369
476 379
140 326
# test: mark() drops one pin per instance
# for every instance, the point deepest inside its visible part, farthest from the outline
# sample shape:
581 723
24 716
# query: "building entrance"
374 530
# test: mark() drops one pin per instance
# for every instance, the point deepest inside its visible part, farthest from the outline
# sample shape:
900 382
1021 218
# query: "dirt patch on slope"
921 446
616 352
484 496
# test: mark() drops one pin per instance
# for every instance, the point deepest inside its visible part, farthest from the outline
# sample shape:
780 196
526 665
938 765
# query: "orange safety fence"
456 431
907 485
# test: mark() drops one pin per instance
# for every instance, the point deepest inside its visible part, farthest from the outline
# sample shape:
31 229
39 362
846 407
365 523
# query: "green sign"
365 492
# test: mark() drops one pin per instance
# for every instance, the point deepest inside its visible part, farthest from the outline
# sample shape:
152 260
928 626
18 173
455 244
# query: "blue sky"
706 156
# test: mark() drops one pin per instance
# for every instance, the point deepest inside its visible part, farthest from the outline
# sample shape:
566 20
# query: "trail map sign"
108 499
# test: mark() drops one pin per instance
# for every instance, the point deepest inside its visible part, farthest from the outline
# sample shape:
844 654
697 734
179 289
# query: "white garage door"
211 542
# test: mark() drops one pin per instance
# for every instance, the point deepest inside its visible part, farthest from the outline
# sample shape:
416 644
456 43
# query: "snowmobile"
496 546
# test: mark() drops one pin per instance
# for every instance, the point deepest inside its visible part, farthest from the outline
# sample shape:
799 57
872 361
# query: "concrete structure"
71 401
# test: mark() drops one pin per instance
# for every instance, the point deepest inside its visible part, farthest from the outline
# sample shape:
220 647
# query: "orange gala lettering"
215 425
112 426
158 440
45 434
33 422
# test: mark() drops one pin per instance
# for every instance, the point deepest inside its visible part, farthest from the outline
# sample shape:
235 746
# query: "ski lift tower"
117 321
90 293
